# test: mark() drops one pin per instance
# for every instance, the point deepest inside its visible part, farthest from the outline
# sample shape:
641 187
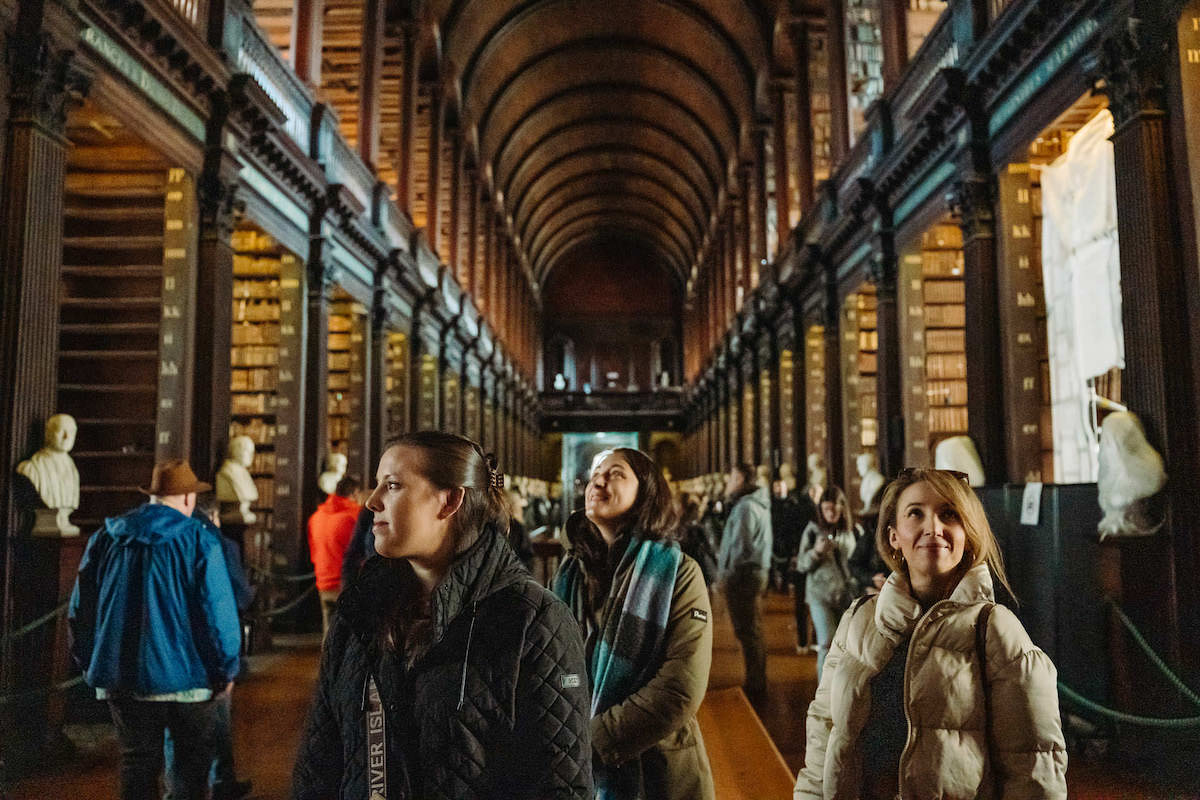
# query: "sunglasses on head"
911 472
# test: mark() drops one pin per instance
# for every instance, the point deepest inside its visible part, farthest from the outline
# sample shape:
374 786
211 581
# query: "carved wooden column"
783 176
433 195
1158 380
216 193
370 79
44 79
986 391
802 170
759 257
405 187
315 392
308 17
839 98
893 25
834 427
883 271
376 393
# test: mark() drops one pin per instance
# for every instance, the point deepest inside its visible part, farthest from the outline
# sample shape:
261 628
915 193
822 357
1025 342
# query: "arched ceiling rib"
619 118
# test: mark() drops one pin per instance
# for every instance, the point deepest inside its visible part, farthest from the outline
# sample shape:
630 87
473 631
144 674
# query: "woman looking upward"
930 688
643 608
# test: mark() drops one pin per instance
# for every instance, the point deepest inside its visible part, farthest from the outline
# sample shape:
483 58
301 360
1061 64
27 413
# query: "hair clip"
497 478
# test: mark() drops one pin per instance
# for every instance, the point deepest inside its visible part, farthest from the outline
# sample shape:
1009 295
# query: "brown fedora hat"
174 477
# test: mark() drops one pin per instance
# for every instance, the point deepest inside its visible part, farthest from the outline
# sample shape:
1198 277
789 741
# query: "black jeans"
140 725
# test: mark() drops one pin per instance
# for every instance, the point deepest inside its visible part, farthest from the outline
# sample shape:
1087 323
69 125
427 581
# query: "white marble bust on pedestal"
236 491
1131 472
872 478
52 472
335 470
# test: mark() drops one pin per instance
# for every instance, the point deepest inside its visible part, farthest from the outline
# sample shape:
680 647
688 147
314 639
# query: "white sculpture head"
864 463
336 462
958 453
241 450
60 433
1130 471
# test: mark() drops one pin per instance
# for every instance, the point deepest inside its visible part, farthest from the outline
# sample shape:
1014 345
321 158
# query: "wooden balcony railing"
194 11
259 58
938 51
996 8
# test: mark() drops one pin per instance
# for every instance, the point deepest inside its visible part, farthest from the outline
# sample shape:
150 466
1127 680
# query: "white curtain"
1082 276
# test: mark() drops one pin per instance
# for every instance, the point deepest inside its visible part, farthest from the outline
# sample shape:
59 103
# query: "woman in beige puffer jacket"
901 709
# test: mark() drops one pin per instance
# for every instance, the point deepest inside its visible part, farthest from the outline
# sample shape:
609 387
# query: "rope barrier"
1154 657
283 578
1121 716
37 623
58 687
274 612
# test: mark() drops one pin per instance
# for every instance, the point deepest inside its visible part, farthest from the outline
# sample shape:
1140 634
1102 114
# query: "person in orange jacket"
329 531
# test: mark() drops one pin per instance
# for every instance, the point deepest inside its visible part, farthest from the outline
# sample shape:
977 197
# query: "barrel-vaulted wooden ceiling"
596 118
587 119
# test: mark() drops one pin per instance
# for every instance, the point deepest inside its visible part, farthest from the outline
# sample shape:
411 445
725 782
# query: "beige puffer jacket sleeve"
820 722
1026 733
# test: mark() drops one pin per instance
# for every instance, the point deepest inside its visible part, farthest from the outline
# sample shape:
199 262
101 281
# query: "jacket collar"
484 568
897 610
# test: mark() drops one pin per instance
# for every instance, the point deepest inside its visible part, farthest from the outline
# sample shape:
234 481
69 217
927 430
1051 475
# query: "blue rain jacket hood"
153 611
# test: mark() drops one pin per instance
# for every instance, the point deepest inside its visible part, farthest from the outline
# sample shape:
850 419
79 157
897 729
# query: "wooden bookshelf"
110 322
451 400
864 59
397 388
816 426
346 367
942 293
860 354
787 408
254 357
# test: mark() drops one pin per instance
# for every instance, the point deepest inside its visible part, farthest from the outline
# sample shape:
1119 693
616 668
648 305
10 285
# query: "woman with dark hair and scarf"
448 672
643 607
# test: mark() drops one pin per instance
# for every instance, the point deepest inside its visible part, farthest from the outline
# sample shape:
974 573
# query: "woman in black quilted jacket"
448 672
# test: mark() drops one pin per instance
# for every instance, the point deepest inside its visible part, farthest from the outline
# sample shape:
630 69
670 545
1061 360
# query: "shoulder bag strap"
981 626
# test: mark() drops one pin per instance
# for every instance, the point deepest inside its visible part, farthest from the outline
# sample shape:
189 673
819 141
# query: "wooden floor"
751 760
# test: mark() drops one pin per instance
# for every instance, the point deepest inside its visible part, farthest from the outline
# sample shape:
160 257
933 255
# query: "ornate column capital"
972 200
47 80
1131 68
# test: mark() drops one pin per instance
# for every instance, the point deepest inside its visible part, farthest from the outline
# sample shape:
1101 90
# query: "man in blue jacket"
155 629
743 564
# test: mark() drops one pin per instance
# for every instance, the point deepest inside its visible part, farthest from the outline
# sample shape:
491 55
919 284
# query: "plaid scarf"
631 639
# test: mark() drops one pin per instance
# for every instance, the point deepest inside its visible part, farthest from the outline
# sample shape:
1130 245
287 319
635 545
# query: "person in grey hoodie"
742 566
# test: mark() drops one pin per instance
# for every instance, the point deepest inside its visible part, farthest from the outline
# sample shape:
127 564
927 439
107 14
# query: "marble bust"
236 491
1131 472
335 470
52 472
958 453
872 478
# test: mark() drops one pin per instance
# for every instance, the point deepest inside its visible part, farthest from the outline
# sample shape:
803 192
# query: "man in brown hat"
155 629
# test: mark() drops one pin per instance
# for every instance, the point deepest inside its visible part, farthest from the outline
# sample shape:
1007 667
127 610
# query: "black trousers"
140 725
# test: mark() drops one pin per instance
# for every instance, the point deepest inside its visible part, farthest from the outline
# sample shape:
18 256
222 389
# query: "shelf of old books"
787 407
451 400
860 355
397 387
933 342
264 360
815 422
346 362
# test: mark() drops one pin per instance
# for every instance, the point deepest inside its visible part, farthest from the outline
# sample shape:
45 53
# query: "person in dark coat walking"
448 672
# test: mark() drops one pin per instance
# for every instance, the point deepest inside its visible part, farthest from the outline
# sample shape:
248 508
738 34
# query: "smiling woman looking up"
930 689
448 671
643 608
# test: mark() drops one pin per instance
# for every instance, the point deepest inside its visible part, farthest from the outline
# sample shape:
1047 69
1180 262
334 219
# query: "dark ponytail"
450 461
